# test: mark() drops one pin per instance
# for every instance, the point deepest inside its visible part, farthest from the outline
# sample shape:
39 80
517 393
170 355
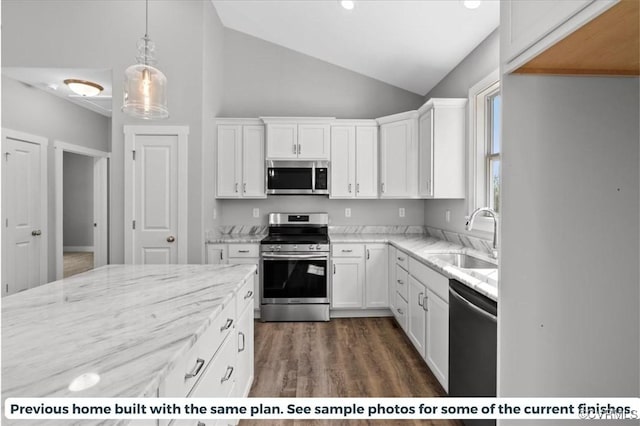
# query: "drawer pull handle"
228 374
201 424
347 250
244 343
227 325
401 259
248 295
196 370
424 305
420 300
400 311
243 251
400 282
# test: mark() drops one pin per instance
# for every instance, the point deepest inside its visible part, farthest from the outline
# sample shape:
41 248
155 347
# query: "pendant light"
145 86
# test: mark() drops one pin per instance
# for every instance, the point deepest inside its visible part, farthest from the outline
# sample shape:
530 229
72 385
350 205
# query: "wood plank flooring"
76 262
349 357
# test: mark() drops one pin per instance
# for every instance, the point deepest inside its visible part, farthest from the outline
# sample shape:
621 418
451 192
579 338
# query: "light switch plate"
401 212
215 213
447 216
256 212
347 212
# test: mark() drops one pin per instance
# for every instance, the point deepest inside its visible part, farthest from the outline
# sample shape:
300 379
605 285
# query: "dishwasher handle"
473 307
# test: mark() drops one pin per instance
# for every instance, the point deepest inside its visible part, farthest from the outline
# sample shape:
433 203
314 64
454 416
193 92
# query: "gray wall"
264 79
34 111
478 64
568 315
108 40
77 200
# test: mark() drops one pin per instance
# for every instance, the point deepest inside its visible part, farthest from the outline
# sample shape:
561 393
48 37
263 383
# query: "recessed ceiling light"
347 4
83 87
472 4
52 86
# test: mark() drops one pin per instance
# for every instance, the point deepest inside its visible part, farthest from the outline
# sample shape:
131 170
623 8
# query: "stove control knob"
278 248
318 247
272 248
311 247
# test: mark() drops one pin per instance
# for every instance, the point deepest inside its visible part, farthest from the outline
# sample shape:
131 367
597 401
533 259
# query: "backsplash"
463 239
377 229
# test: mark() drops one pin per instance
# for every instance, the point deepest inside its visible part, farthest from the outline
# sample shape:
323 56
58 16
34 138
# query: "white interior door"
24 248
100 200
155 201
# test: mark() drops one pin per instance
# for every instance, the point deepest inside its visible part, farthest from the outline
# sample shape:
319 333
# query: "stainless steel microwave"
297 177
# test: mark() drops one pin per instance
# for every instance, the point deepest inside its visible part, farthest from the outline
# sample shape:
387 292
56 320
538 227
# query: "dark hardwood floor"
350 357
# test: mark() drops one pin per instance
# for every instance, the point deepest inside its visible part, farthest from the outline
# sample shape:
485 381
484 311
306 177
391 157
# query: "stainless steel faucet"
494 215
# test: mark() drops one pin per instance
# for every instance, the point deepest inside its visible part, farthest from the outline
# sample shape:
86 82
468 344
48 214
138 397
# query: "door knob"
171 239
36 232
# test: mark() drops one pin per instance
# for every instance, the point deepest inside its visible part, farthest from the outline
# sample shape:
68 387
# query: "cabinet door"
343 152
391 265
253 177
256 285
366 162
417 317
244 362
216 254
397 162
229 160
437 349
314 141
376 284
425 147
348 281
282 141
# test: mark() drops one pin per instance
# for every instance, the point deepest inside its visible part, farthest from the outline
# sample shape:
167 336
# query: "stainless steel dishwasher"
472 345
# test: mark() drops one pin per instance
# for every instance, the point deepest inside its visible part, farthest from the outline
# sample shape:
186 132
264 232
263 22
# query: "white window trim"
477 194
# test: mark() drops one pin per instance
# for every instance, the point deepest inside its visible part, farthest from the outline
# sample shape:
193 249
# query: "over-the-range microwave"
297 177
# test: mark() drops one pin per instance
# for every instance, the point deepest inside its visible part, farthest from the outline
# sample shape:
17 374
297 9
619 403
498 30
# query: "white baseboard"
360 313
78 248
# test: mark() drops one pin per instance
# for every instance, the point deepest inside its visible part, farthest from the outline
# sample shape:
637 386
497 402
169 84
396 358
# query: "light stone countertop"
127 323
236 239
422 247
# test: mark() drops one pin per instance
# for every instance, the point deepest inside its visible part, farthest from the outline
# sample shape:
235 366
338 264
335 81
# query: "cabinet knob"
171 239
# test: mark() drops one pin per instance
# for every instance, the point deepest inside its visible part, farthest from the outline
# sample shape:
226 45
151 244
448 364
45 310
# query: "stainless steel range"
294 268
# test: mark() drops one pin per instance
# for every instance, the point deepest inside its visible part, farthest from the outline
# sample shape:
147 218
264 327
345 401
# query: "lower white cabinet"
217 254
437 349
417 315
359 276
241 254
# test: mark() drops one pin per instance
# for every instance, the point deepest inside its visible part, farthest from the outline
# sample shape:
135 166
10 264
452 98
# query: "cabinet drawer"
347 250
243 250
245 295
189 368
400 311
402 282
436 282
218 379
402 259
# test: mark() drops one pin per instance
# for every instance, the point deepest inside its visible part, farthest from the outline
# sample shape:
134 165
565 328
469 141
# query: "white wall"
34 111
77 200
264 79
104 34
569 314
477 65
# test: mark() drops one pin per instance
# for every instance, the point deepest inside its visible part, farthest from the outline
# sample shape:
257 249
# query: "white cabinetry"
533 26
437 340
441 149
241 254
417 315
217 254
400 285
399 155
359 276
291 138
240 159
354 159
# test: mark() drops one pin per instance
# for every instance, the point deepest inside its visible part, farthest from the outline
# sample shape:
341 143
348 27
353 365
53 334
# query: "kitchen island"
133 328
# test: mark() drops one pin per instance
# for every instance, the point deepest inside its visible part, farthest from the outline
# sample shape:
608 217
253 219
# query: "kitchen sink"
464 261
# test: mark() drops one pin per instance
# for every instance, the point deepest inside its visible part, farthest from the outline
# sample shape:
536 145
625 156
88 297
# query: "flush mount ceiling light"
347 4
472 4
145 86
81 87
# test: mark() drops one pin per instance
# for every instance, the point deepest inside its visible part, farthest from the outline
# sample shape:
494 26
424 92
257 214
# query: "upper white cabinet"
354 159
441 149
399 155
529 27
240 159
298 138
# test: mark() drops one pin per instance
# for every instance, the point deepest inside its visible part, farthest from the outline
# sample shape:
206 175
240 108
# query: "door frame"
100 201
44 198
130 134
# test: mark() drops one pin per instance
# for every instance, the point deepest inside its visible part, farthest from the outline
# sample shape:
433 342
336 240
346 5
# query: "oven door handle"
295 256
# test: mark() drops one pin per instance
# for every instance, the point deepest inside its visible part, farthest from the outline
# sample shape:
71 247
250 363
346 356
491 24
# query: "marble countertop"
422 248
126 323
236 239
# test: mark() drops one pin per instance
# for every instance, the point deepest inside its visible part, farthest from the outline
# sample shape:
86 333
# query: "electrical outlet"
215 213
447 216
401 212
347 212
256 212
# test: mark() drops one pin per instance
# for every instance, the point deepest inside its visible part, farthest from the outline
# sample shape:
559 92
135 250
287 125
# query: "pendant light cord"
146 31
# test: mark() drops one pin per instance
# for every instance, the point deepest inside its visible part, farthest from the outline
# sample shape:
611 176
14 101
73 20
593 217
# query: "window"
485 145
